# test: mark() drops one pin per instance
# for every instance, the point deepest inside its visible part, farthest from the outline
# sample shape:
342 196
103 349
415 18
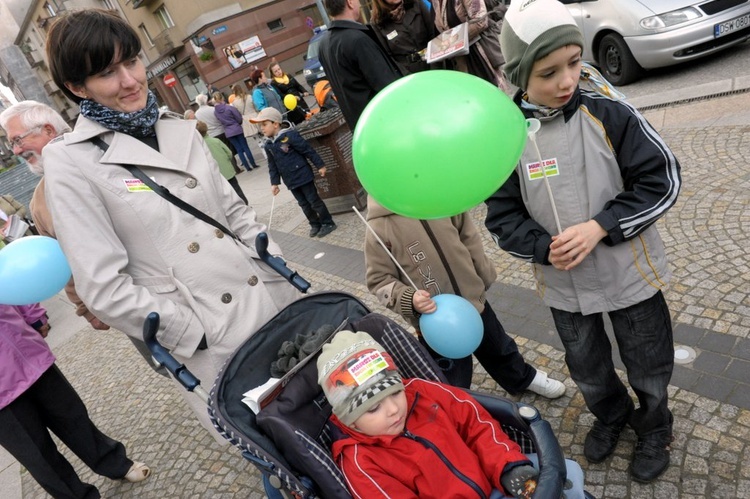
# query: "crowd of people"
168 228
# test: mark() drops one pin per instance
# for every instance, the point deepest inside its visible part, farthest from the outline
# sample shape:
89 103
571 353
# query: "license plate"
729 27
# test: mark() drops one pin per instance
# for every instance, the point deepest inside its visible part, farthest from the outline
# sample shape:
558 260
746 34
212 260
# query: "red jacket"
460 429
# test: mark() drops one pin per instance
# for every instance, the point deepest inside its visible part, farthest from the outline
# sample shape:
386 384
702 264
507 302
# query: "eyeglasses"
18 141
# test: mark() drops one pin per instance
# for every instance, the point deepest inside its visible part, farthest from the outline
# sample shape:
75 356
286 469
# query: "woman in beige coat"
134 251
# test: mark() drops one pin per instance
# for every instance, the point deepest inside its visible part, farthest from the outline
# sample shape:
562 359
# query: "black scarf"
138 124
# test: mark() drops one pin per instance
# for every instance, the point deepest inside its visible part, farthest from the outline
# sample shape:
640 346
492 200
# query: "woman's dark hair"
255 76
85 42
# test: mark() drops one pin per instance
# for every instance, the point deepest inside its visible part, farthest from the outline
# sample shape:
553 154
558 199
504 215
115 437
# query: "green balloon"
437 143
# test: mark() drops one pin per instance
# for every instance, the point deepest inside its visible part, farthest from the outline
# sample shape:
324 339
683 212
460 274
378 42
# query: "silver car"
625 37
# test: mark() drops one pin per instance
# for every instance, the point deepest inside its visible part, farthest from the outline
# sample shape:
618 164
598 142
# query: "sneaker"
137 473
314 231
651 457
546 386
326 229
601 441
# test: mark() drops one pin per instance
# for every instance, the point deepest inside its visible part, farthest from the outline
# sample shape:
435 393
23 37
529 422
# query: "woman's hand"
422 302
572 245
274 189
322 171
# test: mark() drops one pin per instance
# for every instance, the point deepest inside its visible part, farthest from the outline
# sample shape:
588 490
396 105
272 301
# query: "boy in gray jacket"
611 177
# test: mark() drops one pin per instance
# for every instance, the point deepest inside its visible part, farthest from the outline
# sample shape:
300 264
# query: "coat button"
226 298
191 183
194 247
219 233
253 280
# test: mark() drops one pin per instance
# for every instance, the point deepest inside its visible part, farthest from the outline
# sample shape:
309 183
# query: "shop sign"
161 66
219 30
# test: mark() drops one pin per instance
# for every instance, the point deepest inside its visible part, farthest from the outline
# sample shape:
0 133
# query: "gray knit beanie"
356 373
533 29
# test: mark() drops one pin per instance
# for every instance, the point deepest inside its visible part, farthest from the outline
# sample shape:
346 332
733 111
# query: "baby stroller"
289 439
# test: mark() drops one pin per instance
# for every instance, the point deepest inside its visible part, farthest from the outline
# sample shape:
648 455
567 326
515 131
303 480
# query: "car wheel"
617 62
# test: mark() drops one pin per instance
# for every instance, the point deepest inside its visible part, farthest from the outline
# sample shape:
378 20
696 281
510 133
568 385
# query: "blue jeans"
243 150
644 336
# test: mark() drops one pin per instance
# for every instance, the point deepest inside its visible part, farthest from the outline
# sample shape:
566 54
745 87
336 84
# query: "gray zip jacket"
604 162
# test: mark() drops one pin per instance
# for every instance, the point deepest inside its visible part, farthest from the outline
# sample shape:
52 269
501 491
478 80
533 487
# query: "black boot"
651 457
601 441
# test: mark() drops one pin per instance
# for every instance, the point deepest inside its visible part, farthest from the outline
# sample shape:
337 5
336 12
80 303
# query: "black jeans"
312 206
644 336
51 404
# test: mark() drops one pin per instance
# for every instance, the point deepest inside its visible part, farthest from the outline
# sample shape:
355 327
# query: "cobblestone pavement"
705 235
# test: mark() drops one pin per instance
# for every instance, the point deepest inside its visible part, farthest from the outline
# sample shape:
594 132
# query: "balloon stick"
270 218
533 127
403 272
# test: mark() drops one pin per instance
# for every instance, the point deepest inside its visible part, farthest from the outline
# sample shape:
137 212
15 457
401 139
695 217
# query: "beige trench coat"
132 252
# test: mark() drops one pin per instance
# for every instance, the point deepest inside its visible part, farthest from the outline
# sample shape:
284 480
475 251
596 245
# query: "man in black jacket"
355 64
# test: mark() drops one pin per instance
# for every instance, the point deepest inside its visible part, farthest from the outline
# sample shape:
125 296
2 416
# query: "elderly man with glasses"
29 126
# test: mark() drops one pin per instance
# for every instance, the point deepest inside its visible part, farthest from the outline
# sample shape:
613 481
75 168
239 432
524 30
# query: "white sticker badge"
135 185
534 170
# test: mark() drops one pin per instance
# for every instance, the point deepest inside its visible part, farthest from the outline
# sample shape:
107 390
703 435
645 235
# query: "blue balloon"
32 269
455 329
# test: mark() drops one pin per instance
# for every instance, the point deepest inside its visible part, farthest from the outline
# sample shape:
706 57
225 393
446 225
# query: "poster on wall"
244 52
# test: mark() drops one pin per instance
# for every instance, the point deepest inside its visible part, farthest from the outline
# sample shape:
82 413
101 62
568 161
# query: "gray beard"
37 167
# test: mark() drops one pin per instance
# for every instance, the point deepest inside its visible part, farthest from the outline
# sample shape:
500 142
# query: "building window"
50 9
108 4
275 25
164 18
146 34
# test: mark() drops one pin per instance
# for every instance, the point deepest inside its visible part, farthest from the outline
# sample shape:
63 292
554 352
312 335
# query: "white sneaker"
546 386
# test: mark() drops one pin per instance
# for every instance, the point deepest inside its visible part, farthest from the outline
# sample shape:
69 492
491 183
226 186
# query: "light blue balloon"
32 269
455 329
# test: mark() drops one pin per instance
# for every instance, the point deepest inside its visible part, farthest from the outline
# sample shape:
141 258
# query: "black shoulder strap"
164 192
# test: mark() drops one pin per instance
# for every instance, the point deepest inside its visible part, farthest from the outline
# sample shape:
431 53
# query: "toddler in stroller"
289 439
412 437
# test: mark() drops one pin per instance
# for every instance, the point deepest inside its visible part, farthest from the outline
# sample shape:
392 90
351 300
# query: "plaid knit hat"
533 29
355 374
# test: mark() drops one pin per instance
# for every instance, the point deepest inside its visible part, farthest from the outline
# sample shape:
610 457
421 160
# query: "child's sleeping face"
387 417
554 78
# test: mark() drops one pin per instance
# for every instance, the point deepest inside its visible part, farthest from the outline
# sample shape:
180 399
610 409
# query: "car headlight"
669 19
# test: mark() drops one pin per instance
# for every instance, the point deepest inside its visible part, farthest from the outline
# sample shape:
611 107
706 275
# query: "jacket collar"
568 110
174 151
347 24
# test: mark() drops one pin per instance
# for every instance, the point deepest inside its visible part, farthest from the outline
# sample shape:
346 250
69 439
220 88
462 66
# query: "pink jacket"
24 355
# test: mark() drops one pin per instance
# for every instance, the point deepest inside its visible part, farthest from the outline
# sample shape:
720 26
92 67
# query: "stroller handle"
552 472
163 357
278 264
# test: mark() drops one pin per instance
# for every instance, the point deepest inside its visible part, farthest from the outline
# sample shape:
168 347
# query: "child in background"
612 176
446 256
412 437
223 156
288 154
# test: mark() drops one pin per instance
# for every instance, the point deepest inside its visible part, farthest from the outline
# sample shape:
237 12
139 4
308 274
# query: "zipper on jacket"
426 443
